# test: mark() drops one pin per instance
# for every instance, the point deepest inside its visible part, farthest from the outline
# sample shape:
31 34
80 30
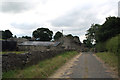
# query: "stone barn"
39 46
18 40
70 42
65 42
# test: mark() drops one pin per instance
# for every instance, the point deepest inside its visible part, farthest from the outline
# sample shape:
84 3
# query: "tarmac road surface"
85 66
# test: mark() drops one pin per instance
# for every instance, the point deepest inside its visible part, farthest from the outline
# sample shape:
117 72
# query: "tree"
3 34
26 37
101 33
76 39
92 33
69 35
15 36
87 43
58 35
109 29
6 34
43 34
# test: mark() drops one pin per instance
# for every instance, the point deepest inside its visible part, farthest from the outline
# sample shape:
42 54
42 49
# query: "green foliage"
76 37
104 35
6 34
77 40
87 43
112 45
91 36
17 52
92 32
43 69
9 74
101 33
15 36
43 34
70 36
109 29
58 35
101 46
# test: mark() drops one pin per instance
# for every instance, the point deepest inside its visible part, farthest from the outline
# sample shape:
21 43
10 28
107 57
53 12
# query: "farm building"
70 42
39 45
18 40
62 43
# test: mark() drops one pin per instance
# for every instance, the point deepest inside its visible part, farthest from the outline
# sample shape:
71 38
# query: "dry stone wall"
13 61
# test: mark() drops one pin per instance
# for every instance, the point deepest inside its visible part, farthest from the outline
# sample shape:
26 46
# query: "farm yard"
60 39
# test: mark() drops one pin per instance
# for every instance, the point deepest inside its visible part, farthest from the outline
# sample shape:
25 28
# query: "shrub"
112 44
101 47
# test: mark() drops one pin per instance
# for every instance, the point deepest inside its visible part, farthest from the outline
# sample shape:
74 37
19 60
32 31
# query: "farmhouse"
69 42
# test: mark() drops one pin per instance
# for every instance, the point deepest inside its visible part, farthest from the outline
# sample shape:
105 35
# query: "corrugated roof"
40 43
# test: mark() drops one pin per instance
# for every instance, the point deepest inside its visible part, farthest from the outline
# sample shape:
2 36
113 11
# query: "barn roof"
40 43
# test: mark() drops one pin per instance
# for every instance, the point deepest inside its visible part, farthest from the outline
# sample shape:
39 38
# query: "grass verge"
109 58
43 69
17 52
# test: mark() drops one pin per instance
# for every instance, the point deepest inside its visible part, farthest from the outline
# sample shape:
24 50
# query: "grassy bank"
43 69
109 58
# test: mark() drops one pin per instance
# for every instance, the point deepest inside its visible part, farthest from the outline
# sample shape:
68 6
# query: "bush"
101 47
112 44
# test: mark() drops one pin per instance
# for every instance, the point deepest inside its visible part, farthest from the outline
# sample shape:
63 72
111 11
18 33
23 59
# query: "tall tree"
101 33
110 28
87 43
58 35
15 36
69 35
6 34
44 34
26 37
92 33
76 39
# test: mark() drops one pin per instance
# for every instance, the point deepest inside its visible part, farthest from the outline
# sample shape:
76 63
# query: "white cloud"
15 7
72 16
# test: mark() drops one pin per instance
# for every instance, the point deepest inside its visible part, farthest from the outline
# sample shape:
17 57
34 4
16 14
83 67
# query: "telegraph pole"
62 31
119 9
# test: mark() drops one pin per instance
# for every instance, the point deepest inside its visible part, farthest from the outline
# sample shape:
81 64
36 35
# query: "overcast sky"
72 16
